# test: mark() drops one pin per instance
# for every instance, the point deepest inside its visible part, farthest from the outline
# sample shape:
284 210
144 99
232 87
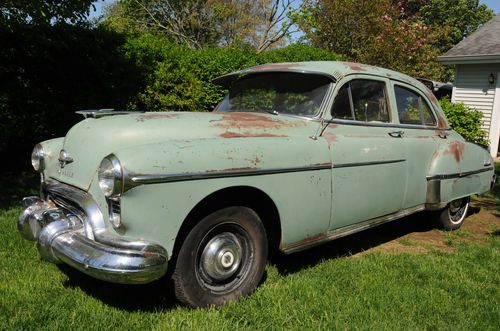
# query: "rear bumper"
62 236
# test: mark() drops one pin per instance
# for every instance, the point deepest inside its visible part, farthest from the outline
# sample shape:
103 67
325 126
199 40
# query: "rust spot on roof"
356 66
271 66
388 75
155 116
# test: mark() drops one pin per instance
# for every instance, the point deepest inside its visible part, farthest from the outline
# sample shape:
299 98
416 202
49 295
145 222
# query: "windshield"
277 93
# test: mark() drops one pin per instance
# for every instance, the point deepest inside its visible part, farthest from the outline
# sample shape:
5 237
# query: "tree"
405 35
199 23
44 12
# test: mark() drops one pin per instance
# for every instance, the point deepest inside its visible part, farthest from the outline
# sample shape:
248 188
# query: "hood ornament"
64 158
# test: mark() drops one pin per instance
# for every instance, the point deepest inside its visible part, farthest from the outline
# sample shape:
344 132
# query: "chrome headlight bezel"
110 177
38 158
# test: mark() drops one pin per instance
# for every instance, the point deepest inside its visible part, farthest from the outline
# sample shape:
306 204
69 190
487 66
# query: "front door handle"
397 134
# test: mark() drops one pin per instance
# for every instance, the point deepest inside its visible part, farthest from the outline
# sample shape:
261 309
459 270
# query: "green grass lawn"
328 287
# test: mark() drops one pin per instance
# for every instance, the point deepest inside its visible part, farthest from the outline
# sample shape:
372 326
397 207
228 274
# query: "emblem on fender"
64 158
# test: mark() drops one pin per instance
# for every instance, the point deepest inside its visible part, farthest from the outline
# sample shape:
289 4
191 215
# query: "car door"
369 170
421 138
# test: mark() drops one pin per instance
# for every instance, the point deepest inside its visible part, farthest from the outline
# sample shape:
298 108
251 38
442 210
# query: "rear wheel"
452 217
222 258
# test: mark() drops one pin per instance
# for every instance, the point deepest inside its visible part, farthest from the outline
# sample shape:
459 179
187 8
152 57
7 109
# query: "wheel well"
245 196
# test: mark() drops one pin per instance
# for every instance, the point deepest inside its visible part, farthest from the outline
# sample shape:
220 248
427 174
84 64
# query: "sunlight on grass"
436 290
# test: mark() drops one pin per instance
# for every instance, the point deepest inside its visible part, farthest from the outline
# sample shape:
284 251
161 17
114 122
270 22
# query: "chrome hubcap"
221 257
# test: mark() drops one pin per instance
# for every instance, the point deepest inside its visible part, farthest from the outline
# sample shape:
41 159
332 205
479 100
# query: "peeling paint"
272 66
155 116
441 123
356 66
456 149
248 120
247 134
330 138
233 169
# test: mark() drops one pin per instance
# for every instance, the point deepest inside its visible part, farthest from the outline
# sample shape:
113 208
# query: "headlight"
37 156
111 177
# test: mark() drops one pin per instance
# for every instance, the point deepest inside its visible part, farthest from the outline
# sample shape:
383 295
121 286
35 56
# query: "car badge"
64 158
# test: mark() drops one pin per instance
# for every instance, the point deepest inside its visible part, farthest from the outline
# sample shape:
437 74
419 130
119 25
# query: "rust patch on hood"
330 138
155 116
247 134
247 120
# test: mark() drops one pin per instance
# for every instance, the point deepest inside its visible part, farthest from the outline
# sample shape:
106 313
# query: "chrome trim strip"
168 178
459 175
350 229
386 125
361 164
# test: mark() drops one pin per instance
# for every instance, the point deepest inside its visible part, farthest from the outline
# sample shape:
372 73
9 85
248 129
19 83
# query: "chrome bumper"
62 236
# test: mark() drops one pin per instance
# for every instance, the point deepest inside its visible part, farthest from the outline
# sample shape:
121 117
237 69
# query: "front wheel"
221 259
452 217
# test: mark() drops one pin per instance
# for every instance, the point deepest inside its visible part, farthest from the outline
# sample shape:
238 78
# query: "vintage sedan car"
295 155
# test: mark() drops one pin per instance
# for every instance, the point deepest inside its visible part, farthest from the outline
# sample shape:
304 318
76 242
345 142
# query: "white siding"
472 88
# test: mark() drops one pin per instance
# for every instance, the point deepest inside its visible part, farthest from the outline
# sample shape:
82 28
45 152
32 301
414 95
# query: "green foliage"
179 78
43 12
465 120
454 20
50 71
405 35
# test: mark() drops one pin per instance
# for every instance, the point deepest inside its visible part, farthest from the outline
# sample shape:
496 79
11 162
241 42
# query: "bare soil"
483 221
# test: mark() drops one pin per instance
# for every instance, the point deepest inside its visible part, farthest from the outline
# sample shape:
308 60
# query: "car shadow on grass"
353 244
156 296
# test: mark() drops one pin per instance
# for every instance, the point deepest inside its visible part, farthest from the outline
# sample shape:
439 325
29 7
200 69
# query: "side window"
362 100
342 104
412 108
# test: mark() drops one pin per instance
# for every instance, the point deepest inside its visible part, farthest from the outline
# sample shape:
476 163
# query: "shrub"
179 78
465 120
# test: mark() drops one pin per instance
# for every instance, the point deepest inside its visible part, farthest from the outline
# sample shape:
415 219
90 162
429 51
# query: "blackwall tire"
222 258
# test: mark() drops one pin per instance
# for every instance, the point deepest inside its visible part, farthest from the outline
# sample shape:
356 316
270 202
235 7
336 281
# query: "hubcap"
221 257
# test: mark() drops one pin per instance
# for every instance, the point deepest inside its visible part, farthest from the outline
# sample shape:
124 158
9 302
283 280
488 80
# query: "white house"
477 73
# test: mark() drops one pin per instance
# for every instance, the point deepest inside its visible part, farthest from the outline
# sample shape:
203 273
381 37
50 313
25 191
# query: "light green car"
295 155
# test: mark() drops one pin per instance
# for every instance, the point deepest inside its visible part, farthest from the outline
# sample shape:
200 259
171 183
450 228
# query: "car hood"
89 141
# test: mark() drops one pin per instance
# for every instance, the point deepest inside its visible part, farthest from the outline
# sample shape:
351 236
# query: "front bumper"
66 233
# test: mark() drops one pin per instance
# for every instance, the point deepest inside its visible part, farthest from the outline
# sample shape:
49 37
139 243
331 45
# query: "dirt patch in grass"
477 228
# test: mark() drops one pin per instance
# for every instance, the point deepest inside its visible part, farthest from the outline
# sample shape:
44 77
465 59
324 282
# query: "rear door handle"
397 134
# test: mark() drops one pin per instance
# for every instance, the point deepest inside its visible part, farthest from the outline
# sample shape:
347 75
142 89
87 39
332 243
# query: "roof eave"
469 59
